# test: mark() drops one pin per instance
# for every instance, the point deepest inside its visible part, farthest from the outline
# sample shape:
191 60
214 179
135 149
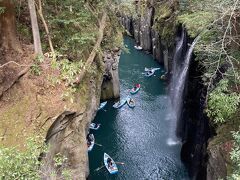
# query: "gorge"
186 121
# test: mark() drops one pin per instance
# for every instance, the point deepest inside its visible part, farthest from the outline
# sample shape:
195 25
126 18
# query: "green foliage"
2 10
222 103
196 22
59 159
68 70
36 68
25 164
235 156
165 21
74 25
113 36
69 94
24 31
15 164
127 7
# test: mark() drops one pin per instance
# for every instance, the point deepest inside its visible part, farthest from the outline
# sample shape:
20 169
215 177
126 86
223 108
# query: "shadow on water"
137 137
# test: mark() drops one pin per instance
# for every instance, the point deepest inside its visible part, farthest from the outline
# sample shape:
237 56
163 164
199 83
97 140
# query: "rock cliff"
144 24
110 86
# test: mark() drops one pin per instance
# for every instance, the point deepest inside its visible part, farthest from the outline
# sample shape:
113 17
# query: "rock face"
67 134
110 86
195 126
145 35
32 105
141 27
157 49
216 166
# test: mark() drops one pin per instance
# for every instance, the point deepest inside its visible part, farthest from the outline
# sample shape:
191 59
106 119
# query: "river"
137 137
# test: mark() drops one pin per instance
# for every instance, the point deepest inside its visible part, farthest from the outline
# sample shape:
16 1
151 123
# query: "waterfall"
181 64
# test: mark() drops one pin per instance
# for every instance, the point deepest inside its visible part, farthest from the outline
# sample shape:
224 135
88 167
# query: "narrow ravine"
137 137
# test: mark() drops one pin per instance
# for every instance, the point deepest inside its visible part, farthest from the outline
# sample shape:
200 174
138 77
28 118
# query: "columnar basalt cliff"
195 128
143 26
110 86
202 160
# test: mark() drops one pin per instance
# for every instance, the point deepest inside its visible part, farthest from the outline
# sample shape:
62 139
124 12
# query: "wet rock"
110 85
216 167
145 30
157 47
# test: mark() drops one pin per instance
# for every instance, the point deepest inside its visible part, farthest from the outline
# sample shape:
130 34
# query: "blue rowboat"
131 102
135 89
102 105
111 167
91 142
120 103
94 126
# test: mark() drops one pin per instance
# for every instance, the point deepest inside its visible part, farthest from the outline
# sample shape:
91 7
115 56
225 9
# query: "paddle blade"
99 168
98 144
122 163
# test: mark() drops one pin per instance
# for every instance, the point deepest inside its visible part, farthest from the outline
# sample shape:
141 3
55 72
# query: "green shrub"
235 157
16 164
222 103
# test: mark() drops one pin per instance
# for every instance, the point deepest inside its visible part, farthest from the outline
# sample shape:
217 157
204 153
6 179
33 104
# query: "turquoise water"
137 137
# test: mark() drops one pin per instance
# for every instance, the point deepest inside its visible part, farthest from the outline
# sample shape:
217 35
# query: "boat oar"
98 144
122 163
99 168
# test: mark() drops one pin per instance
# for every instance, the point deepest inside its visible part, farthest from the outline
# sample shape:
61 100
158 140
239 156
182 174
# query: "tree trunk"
35 29
8 34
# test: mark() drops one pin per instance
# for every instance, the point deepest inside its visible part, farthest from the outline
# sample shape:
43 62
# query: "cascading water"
181 64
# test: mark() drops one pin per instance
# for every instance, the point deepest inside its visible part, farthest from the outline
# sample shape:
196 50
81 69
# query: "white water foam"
173 142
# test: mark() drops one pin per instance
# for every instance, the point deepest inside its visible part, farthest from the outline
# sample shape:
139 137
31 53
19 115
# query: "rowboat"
91 141
120 103
110 164
135 89
151 69
102 105
131 102
138 48
94 126
149 73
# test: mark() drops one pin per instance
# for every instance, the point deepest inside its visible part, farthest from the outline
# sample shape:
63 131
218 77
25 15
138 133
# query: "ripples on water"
138 137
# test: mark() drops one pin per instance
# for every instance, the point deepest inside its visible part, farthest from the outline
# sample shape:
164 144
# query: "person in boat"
119 103
136 86
109 162
131 101
89 140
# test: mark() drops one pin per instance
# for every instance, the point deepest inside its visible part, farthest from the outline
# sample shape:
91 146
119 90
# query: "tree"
35 29
8 37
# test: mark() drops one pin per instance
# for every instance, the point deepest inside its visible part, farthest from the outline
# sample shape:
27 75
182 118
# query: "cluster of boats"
108 161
